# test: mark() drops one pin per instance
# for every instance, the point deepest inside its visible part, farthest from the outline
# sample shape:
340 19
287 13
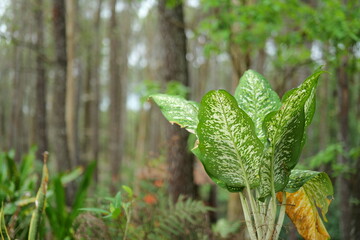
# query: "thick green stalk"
255 212
272 219
262 212
281 216
247 216
272 203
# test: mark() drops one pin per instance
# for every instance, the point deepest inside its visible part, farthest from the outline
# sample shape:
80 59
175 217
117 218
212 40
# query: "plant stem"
255 211
262 212
247 215
272 208
272 203
281 216
128 219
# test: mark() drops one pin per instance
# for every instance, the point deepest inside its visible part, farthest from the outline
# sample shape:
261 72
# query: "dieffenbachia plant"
250 143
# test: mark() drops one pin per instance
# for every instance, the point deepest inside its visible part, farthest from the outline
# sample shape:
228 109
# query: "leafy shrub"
250 143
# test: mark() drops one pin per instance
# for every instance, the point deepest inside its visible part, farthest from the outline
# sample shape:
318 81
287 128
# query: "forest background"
75 77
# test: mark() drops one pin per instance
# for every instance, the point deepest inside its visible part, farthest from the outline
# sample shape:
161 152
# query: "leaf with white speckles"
310 85
257 99
178 110
229 148
308 192
285 132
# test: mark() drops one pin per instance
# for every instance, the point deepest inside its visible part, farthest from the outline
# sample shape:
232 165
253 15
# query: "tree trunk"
17 99
179 159
16 107
41 83
88 102
71 110
355 208
60 137
344 183
116 109
95 89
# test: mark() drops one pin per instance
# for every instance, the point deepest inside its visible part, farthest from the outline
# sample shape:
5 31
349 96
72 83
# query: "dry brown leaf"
304 215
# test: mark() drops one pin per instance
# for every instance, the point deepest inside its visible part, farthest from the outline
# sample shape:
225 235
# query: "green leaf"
72 175
13 171
27 165
39 203
285 132
116 213
128 190
299 177
257 99
229 149
197 153
283 155
3 230
178 110
95 210
309 85
81 192
117 200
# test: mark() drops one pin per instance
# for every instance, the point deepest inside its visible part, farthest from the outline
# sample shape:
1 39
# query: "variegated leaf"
285 132
283 156
197 153
229 148
310 85
257 99
178 110
299 177
302 206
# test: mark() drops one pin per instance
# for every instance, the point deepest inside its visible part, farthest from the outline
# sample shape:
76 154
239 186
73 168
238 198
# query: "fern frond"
182 219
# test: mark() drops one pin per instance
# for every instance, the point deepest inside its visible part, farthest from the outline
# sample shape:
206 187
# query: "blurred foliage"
287 29
224 228
61 214
185 219
18 182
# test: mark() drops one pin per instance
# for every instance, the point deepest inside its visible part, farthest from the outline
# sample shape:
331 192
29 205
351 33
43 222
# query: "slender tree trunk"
179 159
355 141
71 109
355 208
95 86
116 133
59 95
88 102
344 183
17 99
16 107
41 83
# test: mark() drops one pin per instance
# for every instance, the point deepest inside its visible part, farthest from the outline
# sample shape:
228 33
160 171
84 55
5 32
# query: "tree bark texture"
71 111
355 208
174 68
343 180
116 101
95 84
16 132
17 136
41 83
60 137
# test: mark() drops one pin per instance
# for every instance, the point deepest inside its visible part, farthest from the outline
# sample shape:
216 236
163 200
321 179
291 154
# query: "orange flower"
150 199
158 183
